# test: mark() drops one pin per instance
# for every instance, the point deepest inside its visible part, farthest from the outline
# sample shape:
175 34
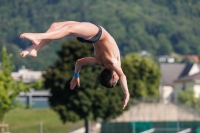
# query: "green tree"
143 76
9 89
89 101
165 47
186 97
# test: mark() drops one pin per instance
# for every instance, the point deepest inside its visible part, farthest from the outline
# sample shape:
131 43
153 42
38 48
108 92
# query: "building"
166 58
188 82
27 75
193 58
176 77
35 98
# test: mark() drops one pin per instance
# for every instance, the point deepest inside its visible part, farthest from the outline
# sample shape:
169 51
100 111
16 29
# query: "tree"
143 76
165 47
9 89
89 101
186 97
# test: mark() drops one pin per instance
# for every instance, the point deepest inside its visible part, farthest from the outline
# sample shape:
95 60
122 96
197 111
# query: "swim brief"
93 39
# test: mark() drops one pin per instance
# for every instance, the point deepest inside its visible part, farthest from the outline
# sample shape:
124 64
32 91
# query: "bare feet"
31 51
32 37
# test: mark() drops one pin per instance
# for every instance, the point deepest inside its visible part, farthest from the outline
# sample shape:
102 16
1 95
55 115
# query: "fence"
139 127
156 117
4 128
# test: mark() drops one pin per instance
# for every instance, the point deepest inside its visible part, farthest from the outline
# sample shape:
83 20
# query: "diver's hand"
74 82
126 99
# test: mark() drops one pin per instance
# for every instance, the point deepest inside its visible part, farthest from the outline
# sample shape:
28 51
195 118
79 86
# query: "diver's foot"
32 37
30 51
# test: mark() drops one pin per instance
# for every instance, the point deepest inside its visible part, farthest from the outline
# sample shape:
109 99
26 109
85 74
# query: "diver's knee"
54 25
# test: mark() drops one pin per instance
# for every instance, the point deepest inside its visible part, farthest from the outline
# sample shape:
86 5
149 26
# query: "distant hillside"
157 26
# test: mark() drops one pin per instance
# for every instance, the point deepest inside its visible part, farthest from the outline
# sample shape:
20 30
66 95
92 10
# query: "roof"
194 57
36 93
186 70
173 72
189 78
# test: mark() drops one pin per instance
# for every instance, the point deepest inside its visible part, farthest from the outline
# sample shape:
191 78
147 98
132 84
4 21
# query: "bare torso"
106 50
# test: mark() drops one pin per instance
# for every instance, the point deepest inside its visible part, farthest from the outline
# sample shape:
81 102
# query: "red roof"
194 57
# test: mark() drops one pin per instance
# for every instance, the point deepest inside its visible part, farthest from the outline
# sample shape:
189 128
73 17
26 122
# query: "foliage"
143 76
89 101
187 100
159 27
38 85
9 88
187 97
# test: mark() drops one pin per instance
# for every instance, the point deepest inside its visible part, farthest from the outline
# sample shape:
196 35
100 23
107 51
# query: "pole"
178 124
41 127
2 122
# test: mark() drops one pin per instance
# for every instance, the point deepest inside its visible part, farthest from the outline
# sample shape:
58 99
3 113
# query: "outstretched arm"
81 62
117 68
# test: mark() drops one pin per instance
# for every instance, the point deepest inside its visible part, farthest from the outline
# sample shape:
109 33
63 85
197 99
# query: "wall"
166 94
156 112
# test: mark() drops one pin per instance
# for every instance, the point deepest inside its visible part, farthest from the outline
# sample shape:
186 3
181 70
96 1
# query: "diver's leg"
32 50
85 30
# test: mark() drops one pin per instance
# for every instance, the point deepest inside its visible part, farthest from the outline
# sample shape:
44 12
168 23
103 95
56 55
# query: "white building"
188 82
27 75
166 58
177 77
33 98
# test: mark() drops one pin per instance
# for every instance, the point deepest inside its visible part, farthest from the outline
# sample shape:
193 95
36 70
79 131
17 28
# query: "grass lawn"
28 121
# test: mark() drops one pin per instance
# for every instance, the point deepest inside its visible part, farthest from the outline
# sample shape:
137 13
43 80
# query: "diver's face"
115 76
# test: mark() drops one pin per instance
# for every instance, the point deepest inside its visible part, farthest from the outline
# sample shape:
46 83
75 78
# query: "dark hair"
106 79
